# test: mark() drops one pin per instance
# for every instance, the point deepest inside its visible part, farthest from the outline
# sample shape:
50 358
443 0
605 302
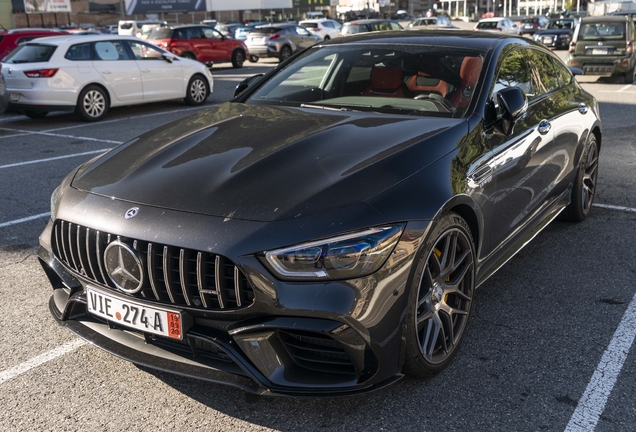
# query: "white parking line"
11 118
26 219
17 164
27 132
592 403
617 208
39 360
624 88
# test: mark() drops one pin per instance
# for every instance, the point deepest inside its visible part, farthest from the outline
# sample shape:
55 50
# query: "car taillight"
535 25
40 73
630 47
572 46
274 36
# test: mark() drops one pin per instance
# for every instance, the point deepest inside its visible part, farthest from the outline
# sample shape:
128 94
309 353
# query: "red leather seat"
428 79
386 82
469 74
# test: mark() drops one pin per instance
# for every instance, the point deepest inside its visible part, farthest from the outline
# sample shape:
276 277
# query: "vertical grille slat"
180 276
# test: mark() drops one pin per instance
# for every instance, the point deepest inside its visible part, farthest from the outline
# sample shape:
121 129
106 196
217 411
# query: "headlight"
343 257
54 198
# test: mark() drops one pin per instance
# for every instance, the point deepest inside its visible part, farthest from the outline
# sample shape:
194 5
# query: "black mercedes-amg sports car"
324 232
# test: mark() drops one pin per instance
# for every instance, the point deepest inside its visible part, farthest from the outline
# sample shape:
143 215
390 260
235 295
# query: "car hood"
553 32
265 163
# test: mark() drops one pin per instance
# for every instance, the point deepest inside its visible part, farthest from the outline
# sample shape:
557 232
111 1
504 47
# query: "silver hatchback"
278 40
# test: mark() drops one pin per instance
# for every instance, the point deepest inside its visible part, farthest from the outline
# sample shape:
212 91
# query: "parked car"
228 29
368 25
558 33
10 39
241 32
325 232
279 41
500 24
200 42
325 28
90 74
604 45
531 25
435 22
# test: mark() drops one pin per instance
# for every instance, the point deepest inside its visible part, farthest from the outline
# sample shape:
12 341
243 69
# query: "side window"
513 72
211 34
395 26
144 51
79 52
301 31
179 34
327 24
110 50
544 78
195 33
564 74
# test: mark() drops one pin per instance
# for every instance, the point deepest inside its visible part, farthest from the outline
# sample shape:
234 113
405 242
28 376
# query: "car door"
219 46
303 39
521 161
111 59
161 79
203 48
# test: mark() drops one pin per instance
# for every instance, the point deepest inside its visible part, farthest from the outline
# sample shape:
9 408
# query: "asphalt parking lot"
550 345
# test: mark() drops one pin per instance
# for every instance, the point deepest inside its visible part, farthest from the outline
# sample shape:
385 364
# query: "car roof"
60 40
495 19
605 18
450 38
370 21
279 25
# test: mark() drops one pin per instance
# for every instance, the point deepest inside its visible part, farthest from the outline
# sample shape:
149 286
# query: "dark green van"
604 45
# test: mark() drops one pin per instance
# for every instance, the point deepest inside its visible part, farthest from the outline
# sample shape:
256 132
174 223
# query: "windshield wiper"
327 108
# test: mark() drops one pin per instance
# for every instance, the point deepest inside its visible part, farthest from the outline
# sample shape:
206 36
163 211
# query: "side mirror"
576 71
168 58
243 85
512 104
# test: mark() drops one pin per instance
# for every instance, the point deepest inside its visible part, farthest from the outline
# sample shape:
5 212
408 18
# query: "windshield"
602 31
160 33
561 25
31 53
401 79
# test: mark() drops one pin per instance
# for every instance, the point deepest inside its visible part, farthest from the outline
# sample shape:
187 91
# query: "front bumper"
301 339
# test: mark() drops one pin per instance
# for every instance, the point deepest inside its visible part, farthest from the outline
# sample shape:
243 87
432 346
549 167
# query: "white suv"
325 28
504 25
90 74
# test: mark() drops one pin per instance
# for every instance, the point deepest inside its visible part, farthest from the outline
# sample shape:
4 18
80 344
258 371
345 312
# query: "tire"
198 91
441 297
584 188
326 38
629 76
188 55
253 59
238 58
92 104
285 53
35 114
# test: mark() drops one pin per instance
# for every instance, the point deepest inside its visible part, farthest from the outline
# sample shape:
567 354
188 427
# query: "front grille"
182 277
317 352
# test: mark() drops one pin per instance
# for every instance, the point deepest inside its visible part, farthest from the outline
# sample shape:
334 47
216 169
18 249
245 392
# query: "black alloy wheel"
326 38
285 53
238 58
253 58
441 297
198 91
92 104
584 188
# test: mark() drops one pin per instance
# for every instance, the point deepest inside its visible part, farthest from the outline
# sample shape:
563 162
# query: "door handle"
583 108
544 127
106 72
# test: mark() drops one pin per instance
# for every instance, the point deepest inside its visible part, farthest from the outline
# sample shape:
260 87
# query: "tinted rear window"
160 33
561 24
490 25
126 26
267 30
31 53
602 31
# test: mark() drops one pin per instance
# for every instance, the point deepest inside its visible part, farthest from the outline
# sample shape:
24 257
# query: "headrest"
386 78
469 72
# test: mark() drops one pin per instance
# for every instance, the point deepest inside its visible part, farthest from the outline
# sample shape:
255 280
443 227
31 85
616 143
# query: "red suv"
200 42
12 38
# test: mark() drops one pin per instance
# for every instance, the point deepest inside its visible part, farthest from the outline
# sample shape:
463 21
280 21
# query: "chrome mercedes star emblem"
124 267
131 212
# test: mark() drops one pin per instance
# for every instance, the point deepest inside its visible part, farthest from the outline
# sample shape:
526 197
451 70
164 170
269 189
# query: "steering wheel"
436 97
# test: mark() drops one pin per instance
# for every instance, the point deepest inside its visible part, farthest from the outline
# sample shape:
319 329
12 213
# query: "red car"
9 39
200 42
